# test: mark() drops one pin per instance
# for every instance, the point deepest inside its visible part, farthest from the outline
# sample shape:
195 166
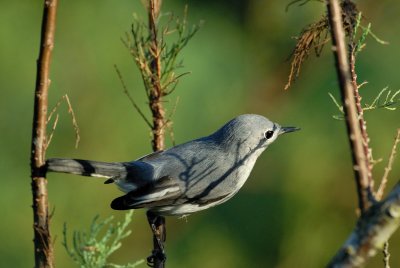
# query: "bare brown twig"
386 255
360 112
73 118
53 129
360 159
388 168
42 238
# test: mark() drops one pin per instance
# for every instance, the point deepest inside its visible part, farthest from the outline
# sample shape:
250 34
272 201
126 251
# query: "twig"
373 230
74 123
73 118
156 91
53 129
157 63
359 158
340 107
388 167
42 239
361 120
314 36
303 2
130 97
386 255
157 223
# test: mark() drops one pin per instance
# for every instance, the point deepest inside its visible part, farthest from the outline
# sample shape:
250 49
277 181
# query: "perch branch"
156 91
156 62
359 158
42 239
157 223
386 255
372 231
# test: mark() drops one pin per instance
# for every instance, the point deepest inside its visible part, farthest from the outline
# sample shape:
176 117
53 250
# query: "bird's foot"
156 255
157 225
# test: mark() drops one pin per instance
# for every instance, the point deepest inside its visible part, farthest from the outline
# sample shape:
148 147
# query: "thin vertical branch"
386 255
42 238
156 91
157 64
359 158
360 112
388 168
157 223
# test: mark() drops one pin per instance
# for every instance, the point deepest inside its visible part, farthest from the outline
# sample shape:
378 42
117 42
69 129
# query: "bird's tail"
86 168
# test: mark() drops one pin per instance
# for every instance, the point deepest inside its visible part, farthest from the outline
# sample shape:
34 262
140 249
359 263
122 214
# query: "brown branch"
157 223
361 120
373 230
386 255
42 239
157 62
156 91
388 168
359 158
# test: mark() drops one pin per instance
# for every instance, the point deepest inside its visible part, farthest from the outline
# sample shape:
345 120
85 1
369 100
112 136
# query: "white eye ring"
268 134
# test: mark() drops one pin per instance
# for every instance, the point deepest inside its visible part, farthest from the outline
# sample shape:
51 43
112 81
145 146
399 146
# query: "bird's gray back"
200 166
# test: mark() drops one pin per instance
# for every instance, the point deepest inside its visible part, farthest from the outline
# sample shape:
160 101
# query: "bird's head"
251 131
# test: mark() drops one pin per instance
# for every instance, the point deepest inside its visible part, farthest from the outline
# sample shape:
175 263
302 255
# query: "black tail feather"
86 168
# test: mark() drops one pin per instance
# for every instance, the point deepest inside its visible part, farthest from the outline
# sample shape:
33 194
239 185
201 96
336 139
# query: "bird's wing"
164 191
150 156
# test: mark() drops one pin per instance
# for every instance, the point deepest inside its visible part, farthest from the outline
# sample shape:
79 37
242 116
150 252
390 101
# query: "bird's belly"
242 174
184 209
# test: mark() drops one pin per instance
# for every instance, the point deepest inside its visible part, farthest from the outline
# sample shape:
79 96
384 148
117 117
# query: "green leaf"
93 248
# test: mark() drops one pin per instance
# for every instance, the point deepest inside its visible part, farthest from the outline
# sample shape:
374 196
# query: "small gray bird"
187 178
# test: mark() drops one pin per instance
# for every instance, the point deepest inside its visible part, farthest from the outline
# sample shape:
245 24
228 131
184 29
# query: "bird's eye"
268 134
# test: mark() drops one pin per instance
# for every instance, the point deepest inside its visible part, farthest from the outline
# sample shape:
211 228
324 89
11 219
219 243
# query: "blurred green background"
299 204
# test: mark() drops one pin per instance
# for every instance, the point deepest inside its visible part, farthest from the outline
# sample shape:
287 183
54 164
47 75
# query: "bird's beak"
283 130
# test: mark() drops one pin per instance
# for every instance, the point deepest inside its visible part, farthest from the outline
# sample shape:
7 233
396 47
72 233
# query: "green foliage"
386 99
365 31
361 41
92 248
340 107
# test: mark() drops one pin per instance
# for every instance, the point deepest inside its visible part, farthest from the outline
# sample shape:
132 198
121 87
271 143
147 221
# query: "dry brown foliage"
316 35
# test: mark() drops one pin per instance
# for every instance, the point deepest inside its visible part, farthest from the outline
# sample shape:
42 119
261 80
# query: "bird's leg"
157 225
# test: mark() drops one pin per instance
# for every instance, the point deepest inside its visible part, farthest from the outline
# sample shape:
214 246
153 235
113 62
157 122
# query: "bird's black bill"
288 129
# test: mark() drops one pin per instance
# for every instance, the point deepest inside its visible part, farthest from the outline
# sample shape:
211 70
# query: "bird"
189 177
